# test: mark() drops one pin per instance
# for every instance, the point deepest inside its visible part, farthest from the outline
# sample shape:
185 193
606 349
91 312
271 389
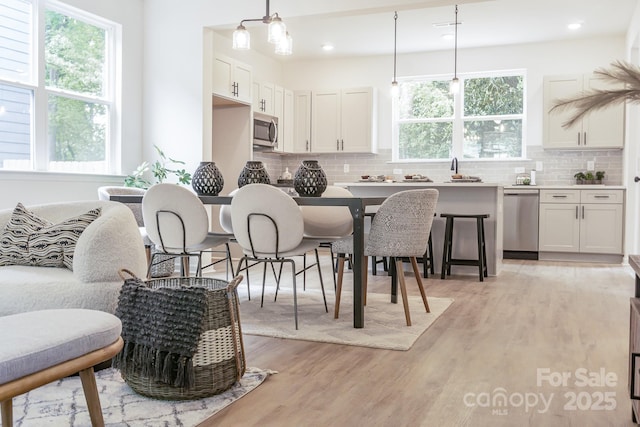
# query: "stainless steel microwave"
265 130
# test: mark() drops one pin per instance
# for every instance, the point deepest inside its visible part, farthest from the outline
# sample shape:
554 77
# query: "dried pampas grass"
620 72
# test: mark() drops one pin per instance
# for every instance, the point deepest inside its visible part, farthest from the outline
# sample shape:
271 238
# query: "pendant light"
395 90
276 33
454 86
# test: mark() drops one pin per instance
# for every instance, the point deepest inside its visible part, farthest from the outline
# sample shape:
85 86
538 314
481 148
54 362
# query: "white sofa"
110 243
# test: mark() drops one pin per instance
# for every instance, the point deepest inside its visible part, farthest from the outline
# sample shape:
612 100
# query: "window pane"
493 96
425 140
15 127
77 133
15 40
74 55
492 139
425 100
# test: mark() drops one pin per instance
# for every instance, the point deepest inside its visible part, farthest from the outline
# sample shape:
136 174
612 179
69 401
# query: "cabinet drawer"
559 196
601 196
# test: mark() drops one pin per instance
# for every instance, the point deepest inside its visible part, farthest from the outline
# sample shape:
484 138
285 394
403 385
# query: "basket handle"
233 284
124 271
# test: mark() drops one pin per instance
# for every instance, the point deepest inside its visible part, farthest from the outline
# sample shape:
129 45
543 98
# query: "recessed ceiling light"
574 26
327 47
447 37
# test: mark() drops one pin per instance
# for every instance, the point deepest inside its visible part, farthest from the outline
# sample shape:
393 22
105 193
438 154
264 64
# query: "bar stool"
447 261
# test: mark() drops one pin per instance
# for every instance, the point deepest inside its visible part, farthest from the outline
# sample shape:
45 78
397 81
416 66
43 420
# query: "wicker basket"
219 361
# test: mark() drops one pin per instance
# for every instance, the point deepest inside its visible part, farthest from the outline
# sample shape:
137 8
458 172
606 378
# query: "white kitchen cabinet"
342 121
279 113
232 79
581 221
597 130
301 121
264 97
286 122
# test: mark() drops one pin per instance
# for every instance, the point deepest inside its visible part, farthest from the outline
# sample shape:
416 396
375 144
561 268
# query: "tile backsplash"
559 166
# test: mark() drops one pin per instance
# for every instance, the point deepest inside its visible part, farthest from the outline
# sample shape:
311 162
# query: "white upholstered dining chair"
178 224
328 223
400 229
268 226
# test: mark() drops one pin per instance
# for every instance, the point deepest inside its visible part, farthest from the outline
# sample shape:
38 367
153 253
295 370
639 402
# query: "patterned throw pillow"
30 240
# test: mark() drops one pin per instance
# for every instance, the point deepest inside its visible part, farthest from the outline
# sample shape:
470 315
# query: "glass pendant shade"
241 38
395 89
277 30
285 46
454 86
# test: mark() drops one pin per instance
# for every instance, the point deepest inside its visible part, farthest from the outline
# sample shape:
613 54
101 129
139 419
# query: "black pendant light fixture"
276 33
394 84
454 87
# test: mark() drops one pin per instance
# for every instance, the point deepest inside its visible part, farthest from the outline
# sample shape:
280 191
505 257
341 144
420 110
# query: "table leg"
359 265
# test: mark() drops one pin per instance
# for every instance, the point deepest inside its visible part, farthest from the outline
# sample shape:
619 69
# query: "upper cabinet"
342 121
301 141
232 79
264 98
601 129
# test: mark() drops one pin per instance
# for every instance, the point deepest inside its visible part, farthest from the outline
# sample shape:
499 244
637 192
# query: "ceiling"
484 23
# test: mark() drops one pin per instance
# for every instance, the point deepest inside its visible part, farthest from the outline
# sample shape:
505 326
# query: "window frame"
36 83
458 119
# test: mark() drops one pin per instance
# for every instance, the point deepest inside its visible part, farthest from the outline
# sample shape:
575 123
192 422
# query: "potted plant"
599 177
161 169
580 177
589 178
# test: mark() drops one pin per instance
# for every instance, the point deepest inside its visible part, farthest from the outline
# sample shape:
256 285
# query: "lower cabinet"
634 358
581 221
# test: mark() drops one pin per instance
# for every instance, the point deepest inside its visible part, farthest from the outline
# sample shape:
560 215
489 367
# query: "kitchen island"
462 198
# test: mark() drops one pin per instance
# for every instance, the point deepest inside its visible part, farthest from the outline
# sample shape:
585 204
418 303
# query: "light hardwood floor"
565 318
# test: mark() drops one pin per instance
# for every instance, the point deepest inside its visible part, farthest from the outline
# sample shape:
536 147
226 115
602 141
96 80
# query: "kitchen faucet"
454 165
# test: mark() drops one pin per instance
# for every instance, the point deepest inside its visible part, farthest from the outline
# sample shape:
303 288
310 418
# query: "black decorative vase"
207 179
310 180
253 173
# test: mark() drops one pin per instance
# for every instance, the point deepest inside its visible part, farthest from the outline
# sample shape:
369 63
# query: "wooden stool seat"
40 347
448 261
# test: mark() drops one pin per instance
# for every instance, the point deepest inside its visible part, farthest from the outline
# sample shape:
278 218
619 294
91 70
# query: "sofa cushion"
31 240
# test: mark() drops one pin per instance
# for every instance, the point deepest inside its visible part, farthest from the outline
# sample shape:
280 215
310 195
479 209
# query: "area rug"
62 403
384 327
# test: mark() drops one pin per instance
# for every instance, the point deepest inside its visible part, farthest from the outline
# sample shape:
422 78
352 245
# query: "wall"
40 187
540 59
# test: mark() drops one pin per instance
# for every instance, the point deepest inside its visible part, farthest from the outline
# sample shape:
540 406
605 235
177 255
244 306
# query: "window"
484 121
60 116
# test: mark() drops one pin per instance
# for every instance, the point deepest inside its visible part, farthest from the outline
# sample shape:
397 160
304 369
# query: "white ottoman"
40 347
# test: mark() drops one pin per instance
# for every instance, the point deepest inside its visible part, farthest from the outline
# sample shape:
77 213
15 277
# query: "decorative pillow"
30 240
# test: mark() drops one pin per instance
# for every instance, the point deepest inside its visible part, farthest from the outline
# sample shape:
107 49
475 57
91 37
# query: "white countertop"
418 184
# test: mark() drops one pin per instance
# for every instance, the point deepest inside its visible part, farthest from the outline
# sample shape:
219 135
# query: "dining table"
357 207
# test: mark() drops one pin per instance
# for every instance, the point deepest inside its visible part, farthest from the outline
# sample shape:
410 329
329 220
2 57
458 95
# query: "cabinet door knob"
636 179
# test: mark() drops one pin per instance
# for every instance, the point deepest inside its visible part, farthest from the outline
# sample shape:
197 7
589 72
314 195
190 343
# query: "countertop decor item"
310 180
253 173
207 179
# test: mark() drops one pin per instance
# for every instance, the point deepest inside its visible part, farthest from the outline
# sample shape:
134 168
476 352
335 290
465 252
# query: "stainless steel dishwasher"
520 223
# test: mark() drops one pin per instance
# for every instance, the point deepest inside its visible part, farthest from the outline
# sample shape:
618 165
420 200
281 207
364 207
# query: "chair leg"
480 238
229 263
365 281
91 396
264 278
326 309
403 290
431 263
333 268
295 295
414 264
336 310
7 412
304 272
149 265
